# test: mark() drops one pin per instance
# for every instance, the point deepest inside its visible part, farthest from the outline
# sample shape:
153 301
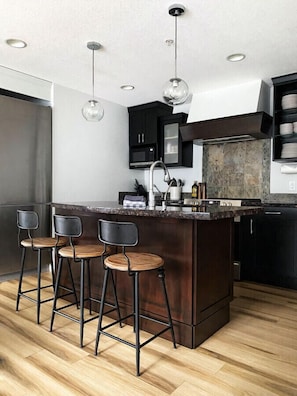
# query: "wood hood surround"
234 113
228 129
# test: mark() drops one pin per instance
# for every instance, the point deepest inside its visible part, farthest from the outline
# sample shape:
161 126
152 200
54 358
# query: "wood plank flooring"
255 354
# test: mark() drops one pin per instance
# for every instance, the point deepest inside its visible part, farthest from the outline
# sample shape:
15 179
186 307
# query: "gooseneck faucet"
151 185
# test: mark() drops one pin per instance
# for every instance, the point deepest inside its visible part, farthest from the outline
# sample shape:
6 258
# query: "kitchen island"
197 246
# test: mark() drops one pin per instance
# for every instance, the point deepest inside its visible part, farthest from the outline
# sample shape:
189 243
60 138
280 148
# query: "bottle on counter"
195 190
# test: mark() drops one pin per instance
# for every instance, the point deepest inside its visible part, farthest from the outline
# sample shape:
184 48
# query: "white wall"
25 84
283 183
90 159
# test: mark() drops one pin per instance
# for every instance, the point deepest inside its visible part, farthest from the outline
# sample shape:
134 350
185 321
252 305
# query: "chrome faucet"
151 185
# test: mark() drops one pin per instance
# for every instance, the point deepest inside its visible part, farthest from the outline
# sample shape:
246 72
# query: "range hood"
228 129
231 114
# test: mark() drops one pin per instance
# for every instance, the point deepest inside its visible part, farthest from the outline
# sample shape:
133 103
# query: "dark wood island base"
197 247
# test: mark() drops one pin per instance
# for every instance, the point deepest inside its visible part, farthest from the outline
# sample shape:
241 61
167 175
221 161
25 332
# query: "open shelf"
283 86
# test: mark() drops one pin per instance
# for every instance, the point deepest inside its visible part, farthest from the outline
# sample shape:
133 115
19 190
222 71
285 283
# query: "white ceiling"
133 34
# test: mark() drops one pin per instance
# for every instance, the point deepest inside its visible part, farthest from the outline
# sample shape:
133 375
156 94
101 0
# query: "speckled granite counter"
207 212
197 247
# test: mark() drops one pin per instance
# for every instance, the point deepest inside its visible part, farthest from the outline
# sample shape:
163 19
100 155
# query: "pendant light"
93 110
176 90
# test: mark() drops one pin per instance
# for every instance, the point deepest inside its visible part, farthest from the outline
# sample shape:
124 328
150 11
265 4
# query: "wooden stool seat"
138 261
82 251
43 242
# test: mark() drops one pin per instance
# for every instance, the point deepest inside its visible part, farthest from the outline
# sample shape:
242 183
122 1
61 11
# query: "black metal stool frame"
74 230
124 234
28 221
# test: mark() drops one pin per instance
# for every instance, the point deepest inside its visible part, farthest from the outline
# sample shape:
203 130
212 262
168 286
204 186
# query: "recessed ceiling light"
16 43
127 87
236 57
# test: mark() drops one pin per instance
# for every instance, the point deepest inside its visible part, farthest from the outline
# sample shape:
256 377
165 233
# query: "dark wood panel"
256 125
214 266
171 239
198 258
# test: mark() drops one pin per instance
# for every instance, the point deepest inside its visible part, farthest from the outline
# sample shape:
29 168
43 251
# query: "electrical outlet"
292 185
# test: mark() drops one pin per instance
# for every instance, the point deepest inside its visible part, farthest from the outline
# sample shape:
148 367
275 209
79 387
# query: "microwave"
142 156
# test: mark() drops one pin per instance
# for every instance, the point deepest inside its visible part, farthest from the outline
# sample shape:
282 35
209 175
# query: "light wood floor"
255 354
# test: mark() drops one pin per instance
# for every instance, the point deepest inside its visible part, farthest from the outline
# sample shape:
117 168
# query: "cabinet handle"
251 227
273 213
138 138
142 137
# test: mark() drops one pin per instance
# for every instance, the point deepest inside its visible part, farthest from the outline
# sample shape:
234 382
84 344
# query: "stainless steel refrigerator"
25 171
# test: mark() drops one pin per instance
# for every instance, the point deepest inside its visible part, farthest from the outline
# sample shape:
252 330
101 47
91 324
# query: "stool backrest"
67 226
27 220
117 233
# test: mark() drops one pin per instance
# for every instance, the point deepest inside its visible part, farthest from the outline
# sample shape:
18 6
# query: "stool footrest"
77 320
35 289
123 341
68 316
57 310
66 294
23 294
167 327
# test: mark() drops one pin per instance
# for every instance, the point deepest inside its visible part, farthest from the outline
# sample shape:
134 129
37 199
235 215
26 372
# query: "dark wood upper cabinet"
154 134
174 151
144 122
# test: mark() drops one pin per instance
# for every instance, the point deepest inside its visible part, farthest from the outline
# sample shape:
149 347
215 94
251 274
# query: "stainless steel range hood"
230 114
228 129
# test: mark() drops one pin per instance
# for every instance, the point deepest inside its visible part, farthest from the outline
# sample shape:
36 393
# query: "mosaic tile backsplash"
238 170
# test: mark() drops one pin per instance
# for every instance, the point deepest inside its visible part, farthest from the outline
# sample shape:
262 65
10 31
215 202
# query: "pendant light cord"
93 80
175 47
176 90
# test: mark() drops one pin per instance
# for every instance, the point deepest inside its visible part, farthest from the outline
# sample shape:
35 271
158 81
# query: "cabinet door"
247 248
270 247
151 127
171 152
174 151
136 128
143 127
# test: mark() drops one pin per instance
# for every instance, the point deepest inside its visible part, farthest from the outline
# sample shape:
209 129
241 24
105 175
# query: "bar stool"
125 234
27 223
71 227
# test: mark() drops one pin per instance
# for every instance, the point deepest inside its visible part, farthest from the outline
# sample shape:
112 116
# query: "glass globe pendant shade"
175 91
93 110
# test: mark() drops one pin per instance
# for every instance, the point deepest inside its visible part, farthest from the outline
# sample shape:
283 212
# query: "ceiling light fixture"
127 87
93 110
235 57
16 43
176 90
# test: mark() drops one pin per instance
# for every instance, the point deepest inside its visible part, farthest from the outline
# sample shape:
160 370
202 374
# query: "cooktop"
217 201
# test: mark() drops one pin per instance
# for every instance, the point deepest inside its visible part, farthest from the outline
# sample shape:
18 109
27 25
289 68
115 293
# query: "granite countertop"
203 212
